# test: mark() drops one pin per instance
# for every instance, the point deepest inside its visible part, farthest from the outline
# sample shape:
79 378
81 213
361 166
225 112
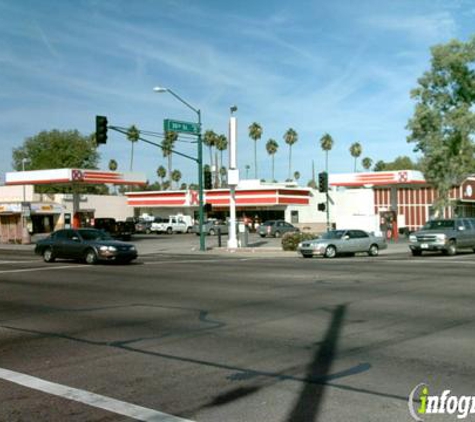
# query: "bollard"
219 237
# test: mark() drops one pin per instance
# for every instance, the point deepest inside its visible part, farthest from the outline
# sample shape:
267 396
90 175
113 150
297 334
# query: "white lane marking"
95 400
27 270
18 262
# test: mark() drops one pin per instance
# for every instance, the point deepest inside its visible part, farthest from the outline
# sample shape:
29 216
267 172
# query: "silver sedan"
337 242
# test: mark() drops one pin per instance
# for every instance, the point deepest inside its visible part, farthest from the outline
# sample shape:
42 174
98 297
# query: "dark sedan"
90 245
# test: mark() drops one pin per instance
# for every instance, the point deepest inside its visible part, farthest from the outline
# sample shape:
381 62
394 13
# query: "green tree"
379 166
209 139
443 124
168 143
255 133
183 186
296 176
247 167
326 143
272 147
133 135
176 177
356 150
367 163
57 149
221 146
161 173
113 165
290 138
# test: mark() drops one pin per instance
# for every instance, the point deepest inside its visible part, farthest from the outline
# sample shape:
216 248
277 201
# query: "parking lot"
231 337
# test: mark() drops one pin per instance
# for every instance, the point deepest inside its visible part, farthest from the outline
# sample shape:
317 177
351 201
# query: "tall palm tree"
161 173
113 165
209 139
290 137
133 135
255 133
221 146
326 143
272 146
355 150
176 177
167 146
367 163
297 176
248 167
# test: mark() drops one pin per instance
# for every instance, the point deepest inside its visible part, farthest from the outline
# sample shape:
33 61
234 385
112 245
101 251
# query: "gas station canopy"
75 176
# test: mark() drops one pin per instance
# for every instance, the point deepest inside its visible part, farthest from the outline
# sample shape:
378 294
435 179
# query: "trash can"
243 235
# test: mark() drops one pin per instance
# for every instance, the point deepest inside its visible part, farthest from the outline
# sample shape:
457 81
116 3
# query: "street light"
160 89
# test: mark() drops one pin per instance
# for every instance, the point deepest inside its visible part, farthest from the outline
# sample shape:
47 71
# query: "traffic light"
208 180
323 182
101 129
321 206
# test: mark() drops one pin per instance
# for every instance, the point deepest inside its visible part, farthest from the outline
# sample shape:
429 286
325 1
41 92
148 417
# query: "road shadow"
309 403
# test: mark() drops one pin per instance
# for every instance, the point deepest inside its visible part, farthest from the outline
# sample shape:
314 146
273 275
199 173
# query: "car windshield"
94 235
334 234
439 224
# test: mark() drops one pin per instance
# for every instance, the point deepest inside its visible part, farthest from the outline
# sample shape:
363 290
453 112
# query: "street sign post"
170 125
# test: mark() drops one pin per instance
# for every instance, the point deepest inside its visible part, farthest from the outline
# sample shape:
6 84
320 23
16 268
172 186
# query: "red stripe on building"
154 202
303 201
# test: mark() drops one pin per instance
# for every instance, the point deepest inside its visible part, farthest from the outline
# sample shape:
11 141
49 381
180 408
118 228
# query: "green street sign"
178 126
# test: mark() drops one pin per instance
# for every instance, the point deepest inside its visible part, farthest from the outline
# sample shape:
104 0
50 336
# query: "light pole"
200 161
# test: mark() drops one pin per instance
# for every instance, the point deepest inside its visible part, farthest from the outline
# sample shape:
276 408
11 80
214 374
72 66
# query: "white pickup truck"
174 224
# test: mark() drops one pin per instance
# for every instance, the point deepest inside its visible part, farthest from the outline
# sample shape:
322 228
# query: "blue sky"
339 66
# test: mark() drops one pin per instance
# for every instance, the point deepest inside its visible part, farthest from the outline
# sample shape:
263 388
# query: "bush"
290 241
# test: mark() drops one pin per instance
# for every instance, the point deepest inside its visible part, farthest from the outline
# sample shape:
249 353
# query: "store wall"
112 206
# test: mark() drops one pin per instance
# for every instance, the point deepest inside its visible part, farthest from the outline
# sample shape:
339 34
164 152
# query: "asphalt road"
231 338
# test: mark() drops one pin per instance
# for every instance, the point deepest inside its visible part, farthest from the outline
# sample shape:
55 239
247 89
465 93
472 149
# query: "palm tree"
209 139
367 163
221 145
355 150
167 147
223 172
248 167
133 135
255 133
326 142
161 173
297 176
379 166
290 137
272 146
113 165
176 177
183 186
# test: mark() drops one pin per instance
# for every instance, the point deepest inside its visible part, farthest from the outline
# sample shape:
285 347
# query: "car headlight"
299 245
412 238
132 247
108 248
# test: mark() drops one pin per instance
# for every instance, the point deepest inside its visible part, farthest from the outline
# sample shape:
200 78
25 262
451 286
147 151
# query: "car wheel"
416 252
189 230
212 232
330 252
373 250
90 257
307 255
451 248
262 235
277 234
48 255
169 230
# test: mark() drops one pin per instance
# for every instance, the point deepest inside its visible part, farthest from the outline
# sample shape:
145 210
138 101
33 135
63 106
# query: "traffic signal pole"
200 184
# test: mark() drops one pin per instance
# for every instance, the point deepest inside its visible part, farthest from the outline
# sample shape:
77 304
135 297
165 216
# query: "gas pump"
388 224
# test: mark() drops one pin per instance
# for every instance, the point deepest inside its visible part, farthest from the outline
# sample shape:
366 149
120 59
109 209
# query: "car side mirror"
75 239
460 228
346 237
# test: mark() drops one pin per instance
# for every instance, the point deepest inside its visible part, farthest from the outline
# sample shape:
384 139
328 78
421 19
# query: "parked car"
212 227
89 245
337 242
117 229
275 228
173 224
143 227
445 235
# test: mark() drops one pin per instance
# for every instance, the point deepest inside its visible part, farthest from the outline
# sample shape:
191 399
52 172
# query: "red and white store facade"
263 201
408 196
